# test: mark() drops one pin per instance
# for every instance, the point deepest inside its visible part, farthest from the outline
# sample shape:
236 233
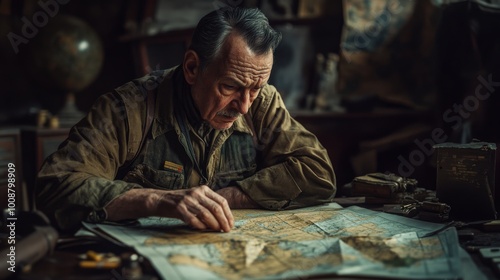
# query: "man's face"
227 87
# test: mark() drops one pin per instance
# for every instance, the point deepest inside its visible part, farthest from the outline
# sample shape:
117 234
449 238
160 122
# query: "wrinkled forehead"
250 68
239 59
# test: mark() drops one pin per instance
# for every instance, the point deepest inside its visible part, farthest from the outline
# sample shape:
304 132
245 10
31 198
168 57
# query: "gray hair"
213 29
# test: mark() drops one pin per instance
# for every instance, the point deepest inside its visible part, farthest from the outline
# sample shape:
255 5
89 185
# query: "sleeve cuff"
99 215
272 188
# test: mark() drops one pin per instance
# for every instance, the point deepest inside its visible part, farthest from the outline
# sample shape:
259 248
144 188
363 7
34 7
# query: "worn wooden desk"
64 262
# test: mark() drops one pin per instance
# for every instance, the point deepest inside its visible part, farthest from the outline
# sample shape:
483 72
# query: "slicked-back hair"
213 29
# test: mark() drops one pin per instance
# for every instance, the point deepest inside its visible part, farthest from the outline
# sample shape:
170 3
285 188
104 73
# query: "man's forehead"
255 65
248 76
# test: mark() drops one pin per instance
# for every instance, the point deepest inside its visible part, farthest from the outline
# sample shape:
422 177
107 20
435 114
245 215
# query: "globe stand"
69 114
66 55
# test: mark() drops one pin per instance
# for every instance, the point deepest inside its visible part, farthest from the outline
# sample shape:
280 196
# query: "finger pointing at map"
202 208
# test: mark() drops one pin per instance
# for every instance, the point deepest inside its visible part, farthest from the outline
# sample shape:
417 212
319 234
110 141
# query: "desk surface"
279 242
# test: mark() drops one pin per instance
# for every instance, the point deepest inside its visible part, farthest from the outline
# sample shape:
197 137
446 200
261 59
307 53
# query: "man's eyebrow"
239 84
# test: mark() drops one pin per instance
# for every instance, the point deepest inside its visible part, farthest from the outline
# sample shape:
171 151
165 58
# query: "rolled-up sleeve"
295 170
77 181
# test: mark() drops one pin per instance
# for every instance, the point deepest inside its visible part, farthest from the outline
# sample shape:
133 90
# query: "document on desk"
315 241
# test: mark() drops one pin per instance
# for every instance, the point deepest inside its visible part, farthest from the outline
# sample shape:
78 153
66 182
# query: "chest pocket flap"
149 177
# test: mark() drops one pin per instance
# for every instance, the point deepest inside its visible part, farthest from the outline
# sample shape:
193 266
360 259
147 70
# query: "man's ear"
191 66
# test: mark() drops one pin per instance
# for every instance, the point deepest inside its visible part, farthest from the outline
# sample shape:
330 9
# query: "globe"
66 54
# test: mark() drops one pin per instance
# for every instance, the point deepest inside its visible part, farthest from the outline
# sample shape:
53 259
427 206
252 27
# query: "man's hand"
199 207
237 198
202 208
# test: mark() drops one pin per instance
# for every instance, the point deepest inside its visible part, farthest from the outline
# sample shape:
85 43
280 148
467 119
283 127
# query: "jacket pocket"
227 178
149 177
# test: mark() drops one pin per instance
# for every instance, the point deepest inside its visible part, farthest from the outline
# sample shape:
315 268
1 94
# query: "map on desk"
315 241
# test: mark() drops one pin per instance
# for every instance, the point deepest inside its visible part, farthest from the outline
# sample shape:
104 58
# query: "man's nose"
244 102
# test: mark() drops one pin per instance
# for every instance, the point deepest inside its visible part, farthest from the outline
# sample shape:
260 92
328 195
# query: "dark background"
466 44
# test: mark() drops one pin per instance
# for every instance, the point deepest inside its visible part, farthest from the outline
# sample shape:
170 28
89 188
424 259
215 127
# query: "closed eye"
228 89
229 86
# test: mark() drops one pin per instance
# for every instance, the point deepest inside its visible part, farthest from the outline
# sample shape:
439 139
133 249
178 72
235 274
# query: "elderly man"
190 142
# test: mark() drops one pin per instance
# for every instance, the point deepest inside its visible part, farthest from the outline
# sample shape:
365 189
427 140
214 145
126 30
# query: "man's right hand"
199 207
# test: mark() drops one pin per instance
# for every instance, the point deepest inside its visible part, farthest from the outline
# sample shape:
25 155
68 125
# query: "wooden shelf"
172 35
377 113
303 21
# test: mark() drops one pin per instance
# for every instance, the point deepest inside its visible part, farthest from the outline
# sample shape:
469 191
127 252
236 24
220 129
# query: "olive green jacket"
286 167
